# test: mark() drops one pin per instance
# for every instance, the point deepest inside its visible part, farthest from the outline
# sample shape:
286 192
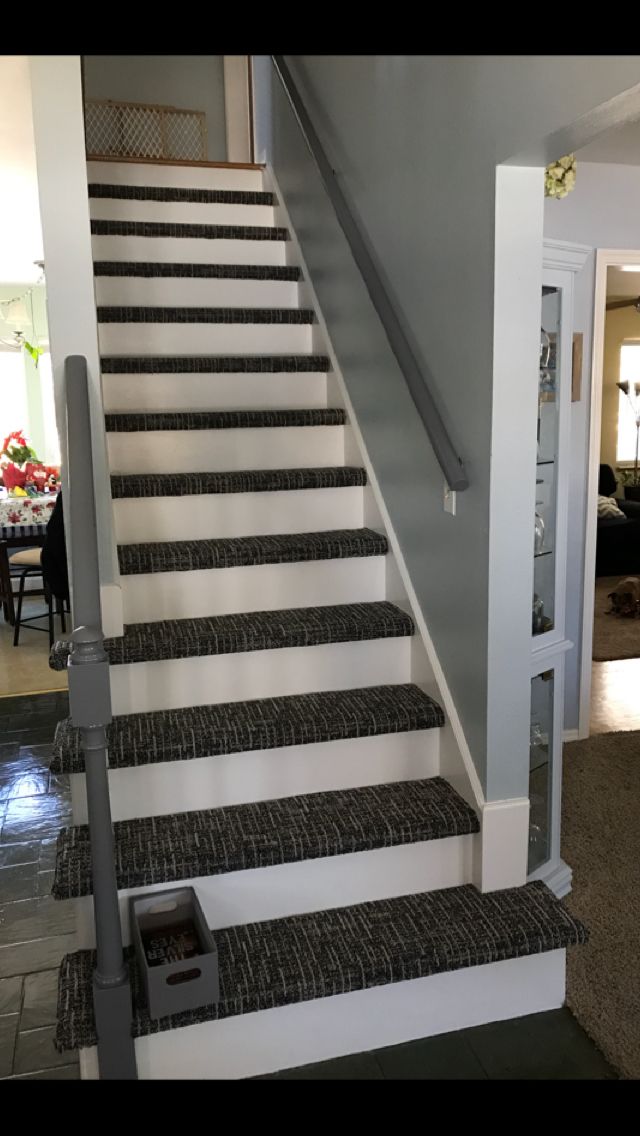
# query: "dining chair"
29 565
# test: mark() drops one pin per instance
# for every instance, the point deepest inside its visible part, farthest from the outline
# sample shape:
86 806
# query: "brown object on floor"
613 637
601 842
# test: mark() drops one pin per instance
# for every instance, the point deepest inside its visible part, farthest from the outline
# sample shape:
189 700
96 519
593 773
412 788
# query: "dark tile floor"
541 1047
35 931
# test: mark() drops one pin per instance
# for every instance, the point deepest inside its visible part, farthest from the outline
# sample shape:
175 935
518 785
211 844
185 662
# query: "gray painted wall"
192 82
414 141
602 212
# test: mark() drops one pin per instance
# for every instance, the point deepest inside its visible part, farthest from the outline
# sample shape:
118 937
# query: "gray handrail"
90 704
450 463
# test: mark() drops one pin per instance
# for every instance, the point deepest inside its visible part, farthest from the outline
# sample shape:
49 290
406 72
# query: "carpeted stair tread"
259 724
242 551
319 954
180 230
127 423
152 269
250 631
259 834
197 314
212 364
177 193
235 481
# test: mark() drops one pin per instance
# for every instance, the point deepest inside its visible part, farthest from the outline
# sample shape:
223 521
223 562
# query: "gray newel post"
90 702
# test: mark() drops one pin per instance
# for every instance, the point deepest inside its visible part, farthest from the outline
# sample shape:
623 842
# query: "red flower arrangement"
16 448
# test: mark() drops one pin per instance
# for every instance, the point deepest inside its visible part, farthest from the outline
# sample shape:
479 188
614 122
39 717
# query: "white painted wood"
111 607
204 338
237 514
289 1036
255 587
239 391
504 844
262 775
310 885
187 177
236 106
604 258
189 250
187 291
136 687
557 875
192 451
180 212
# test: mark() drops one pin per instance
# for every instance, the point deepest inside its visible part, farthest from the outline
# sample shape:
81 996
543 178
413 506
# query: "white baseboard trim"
571 735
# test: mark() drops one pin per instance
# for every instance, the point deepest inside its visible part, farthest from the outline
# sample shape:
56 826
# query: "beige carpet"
614 637
601 842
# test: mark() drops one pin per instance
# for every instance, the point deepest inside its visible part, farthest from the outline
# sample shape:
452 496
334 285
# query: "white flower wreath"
560 177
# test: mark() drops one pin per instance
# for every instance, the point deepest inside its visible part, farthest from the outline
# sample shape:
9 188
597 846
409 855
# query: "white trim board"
604 258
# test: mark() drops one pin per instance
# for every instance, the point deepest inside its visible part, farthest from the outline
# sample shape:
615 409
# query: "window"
13 394
629 372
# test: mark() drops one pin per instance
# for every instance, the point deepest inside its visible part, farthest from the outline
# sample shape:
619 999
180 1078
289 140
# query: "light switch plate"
449 500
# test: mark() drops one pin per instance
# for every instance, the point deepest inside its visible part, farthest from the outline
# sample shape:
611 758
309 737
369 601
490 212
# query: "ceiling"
20 229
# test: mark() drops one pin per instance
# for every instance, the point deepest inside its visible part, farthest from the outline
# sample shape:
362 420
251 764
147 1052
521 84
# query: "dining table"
23 524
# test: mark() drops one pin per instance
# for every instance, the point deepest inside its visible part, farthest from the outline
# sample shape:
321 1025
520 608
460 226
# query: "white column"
56 93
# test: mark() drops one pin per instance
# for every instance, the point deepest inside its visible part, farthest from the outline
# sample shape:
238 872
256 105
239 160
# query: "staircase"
277 725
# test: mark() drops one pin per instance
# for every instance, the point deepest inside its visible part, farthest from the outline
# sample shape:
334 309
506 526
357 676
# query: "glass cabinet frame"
549 647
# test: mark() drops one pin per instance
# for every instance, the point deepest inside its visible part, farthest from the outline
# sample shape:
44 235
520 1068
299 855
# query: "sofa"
618 538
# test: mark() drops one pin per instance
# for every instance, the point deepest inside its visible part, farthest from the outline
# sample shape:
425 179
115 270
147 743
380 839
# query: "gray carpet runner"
242 551
212 364
259 834
177 193
221 419
280 962
201 271
157 314
182 231
128 485
250 631
259 724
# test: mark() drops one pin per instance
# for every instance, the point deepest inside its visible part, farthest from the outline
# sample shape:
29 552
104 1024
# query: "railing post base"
116 1049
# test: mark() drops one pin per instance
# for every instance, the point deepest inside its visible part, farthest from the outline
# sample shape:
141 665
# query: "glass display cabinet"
549 644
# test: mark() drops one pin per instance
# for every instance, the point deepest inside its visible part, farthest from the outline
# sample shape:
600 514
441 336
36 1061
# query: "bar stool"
29 563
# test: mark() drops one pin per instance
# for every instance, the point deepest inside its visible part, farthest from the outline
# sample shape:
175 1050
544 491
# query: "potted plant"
20 460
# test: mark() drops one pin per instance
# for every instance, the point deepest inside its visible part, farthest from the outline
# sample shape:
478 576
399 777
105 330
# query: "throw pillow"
607 507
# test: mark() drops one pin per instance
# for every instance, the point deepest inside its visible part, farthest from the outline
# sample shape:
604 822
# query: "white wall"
414 141
191 82
602 211
64 208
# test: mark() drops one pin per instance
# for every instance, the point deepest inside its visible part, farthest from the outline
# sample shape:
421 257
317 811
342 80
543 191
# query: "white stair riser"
186 177
180 212
166 685
311 885
195 291
237 514
201 451
263 775
289 1036
241 391
204 338
261 587
189 250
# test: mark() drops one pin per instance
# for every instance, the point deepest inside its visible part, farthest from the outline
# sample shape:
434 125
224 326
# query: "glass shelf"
543 603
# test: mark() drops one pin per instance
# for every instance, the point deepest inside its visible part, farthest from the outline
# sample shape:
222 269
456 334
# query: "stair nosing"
196 314
150 486
259 724
179 230
132 422
260 834
213 364
136 559
171 194
346 949
184 270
